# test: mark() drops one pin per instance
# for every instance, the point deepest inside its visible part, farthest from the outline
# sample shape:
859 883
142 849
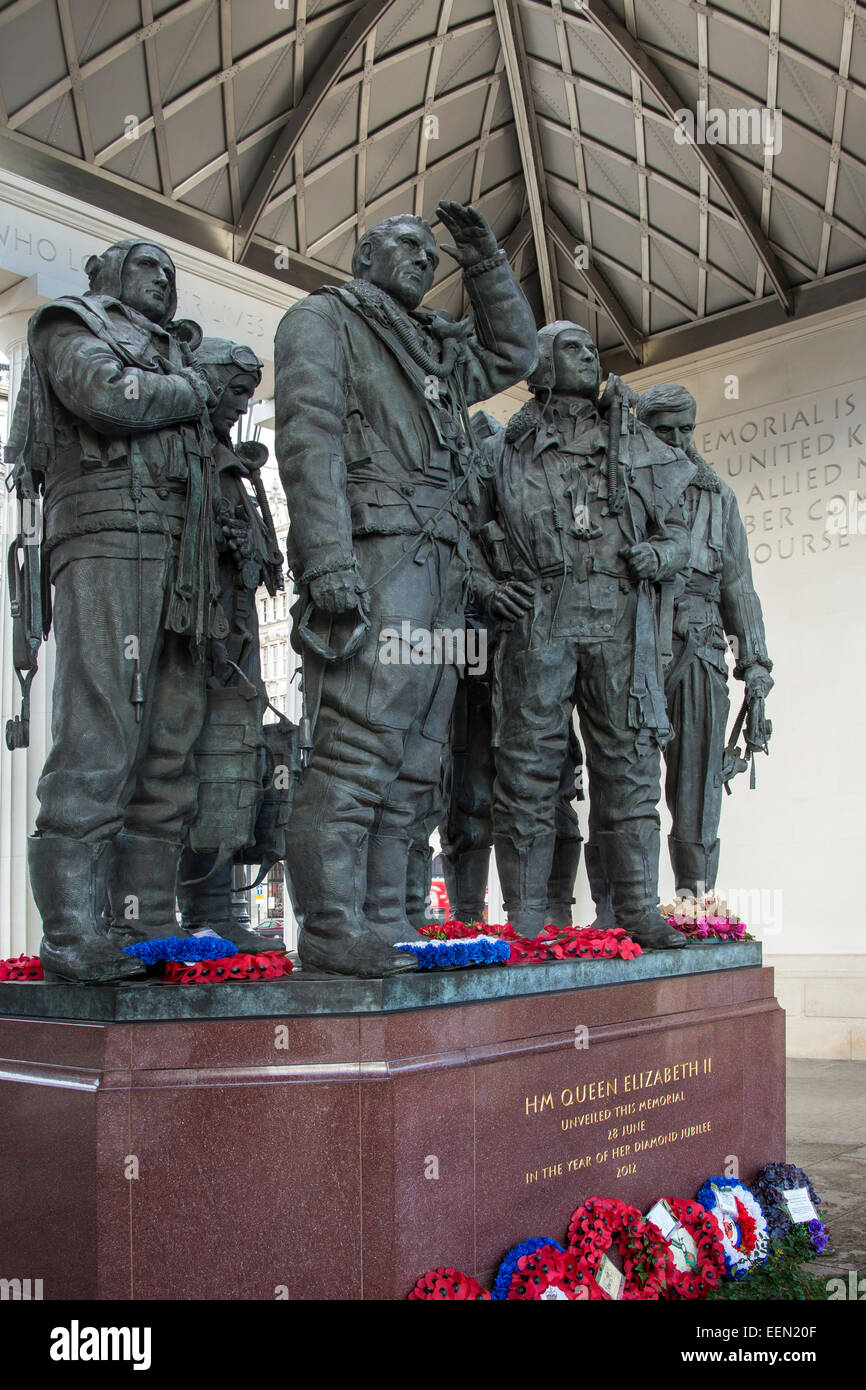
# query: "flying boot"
142 876
466 872
210 902
68 881
418 875
385 908
524 873
695 867
629 858
560 885
329 881
599 887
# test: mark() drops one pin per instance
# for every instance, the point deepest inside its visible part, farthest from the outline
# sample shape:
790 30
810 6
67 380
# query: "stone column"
20 924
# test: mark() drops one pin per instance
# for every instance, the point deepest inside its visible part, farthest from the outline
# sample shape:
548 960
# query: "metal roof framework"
276 134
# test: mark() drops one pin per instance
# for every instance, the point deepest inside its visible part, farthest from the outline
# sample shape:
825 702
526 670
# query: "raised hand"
472 233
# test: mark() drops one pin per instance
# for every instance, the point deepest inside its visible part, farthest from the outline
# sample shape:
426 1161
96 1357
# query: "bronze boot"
560 885
524 873
418 878
209 903
385 905
68 881
695 867
629 857
142 876
466 873
329 879
599 887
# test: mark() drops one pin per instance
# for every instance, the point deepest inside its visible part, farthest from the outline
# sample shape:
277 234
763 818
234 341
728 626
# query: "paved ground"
827 1138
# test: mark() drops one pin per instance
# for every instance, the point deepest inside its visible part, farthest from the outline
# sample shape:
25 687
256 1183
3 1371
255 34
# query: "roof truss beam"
318 88
602 17
384 132
523 106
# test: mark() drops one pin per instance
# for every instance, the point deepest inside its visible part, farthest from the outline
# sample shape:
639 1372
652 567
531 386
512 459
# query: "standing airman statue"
716 608
238 777
587 515
112 426
377 460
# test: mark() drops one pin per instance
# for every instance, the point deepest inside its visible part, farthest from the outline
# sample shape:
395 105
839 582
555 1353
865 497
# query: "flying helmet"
220 359
105 272
543 378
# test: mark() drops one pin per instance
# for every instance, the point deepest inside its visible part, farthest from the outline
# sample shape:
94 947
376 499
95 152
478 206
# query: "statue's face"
148 282
233 403
674 427
577 370
402 262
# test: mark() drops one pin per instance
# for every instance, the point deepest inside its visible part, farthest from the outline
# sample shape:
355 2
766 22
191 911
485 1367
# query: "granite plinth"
302 1155
305 993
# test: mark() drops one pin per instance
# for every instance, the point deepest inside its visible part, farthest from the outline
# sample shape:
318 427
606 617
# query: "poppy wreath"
745 1240
505 1275
21 968
449 1285
554 943
270 965
603 1223
710 1263
772 1181
552 1273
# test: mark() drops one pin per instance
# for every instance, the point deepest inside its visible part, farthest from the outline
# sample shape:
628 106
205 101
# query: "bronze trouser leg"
698 707
103 765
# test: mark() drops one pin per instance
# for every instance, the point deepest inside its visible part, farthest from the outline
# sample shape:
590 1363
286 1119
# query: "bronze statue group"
604 562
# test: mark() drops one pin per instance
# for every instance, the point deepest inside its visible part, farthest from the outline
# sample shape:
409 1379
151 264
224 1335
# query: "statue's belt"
579 568
113 493
362 487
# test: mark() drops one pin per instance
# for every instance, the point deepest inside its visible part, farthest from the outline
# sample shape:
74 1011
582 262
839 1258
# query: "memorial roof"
274 133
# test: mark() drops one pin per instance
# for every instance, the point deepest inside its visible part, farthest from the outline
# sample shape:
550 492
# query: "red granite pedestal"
342 1156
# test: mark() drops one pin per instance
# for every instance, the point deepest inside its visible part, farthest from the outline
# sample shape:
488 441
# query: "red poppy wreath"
448 1285
696 1250
603 1224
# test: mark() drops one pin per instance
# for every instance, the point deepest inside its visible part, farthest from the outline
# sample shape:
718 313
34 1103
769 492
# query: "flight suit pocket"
604 596
545 541
438 718
392 695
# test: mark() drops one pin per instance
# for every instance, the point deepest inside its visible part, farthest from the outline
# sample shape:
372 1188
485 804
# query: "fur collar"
527 418
706 477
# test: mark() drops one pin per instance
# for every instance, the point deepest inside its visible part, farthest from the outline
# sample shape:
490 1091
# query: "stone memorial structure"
155 527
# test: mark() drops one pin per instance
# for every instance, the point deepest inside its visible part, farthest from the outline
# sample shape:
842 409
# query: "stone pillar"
20 924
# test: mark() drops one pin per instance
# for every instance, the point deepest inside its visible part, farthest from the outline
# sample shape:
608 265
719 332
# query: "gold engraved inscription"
626 1136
